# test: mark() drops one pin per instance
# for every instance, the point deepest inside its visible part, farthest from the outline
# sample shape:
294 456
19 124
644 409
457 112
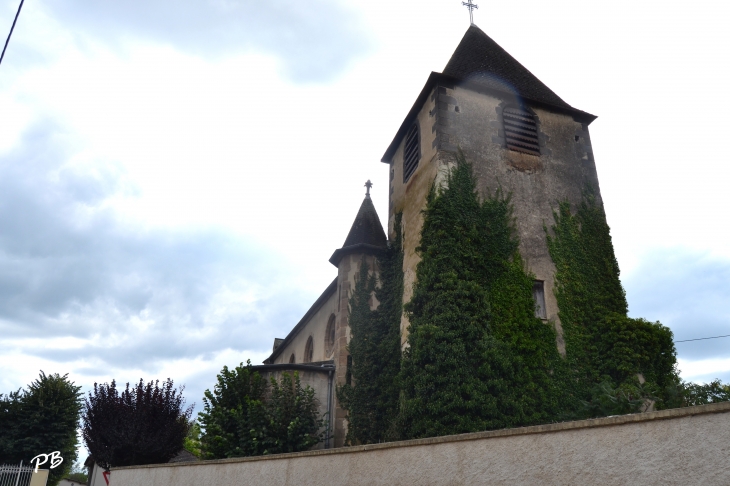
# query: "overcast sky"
175 175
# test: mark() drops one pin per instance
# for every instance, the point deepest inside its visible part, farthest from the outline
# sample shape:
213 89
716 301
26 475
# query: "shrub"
243 417
144 424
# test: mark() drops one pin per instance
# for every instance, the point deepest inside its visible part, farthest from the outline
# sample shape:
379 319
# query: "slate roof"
366 235
366 228
480 63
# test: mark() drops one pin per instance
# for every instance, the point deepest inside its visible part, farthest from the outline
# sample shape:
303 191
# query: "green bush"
244 417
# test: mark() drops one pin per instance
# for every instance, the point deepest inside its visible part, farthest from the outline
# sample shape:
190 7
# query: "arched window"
329 336
309 350
411 152
292 359
520 130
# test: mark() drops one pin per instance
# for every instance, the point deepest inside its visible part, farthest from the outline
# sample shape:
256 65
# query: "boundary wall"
679 446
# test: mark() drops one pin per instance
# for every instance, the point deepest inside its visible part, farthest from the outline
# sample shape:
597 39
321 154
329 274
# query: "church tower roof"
366 234
479 63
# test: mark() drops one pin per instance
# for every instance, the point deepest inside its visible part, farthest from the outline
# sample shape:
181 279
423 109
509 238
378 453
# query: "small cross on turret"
368 184
471 7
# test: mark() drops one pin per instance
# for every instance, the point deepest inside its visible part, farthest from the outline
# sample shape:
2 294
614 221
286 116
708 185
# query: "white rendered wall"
682 447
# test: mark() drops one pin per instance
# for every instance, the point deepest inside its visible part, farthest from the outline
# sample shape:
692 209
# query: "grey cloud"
688 292
70 268
315 39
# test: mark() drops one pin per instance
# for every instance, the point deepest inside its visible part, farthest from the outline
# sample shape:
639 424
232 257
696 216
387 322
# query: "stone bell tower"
519 136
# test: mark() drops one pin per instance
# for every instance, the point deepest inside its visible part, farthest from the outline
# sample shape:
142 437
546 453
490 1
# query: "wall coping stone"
722 407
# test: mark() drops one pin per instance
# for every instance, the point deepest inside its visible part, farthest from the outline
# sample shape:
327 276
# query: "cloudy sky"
175 175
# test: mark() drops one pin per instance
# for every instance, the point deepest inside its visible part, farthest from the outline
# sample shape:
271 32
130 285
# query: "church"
519 136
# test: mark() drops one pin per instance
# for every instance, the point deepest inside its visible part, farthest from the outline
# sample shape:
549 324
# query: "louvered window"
411 152
520 131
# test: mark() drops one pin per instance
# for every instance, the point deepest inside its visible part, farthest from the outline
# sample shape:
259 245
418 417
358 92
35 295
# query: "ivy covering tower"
478 358
604 345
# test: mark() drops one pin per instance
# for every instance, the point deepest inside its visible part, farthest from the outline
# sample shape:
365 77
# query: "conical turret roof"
366 234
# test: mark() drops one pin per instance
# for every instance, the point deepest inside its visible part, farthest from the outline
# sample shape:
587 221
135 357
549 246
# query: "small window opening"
292 359
520 130
577 138
411 152
309 350
538 293
329 338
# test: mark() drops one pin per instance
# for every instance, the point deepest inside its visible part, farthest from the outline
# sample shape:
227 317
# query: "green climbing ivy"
603 345
478 358
371 397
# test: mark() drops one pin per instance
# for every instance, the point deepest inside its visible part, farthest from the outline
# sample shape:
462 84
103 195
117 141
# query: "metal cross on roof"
471 7
368 184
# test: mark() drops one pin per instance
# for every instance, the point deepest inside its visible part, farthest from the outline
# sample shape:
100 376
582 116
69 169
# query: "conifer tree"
39 420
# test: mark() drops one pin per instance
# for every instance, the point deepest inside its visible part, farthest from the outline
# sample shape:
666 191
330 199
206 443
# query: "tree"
687 394
192 441
290 422
144 424
40 420
78 473
243 417
226 419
